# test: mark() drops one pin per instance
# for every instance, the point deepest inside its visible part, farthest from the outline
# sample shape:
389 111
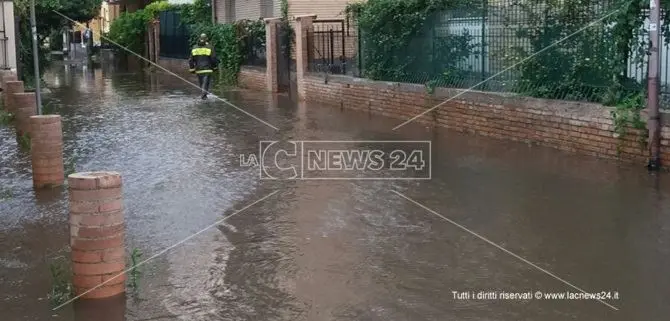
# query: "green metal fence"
542 48
174 36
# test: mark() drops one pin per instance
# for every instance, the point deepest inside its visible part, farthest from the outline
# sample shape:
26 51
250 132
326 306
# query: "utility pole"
652 87
36 59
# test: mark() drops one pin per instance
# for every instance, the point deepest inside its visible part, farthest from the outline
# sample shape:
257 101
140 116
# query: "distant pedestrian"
88 34
203 62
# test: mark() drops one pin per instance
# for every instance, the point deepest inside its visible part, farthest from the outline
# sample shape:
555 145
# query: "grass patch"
61 288
24 141
49 108
135 273
6 194
6 118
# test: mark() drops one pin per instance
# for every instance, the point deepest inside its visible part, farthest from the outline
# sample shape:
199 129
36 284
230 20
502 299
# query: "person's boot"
204 96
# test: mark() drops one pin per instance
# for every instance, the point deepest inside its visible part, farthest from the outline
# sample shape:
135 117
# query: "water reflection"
108 309
329 250
45 196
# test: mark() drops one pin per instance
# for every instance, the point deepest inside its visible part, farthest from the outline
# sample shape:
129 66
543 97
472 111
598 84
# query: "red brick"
83 244
111 206
110 181
114 278
50 170
81 183
102 292
98 268
113 254
99 232
47 154
45 119
47 162
95 195
86 281
86 256
96 219
94 180
83 208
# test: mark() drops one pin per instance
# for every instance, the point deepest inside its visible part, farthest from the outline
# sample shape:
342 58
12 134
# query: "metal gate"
284 40
174 36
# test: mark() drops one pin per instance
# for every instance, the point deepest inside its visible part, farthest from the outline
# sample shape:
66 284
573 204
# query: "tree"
48 13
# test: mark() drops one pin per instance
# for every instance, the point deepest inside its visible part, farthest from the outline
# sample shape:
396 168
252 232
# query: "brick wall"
252 78
584 128
178 66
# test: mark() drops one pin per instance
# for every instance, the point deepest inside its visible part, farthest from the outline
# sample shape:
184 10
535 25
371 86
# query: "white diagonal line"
173 74
500 247
508 68
167 249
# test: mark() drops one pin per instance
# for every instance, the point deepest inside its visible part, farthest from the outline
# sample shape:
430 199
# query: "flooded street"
327 250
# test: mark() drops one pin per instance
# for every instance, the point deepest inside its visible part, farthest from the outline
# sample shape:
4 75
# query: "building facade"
8 40
227 11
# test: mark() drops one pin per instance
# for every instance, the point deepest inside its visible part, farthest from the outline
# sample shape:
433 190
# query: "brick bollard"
11 87
7 76
46 150
97 234
25 106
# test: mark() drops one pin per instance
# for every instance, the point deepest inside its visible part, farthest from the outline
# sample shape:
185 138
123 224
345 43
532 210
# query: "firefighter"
203 63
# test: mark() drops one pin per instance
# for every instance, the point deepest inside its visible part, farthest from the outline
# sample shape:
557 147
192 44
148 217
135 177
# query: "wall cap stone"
304 16
585 111
271 20
252 68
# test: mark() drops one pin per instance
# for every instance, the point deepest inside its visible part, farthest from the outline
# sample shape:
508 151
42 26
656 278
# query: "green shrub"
223 38
129 29
399 44
193 13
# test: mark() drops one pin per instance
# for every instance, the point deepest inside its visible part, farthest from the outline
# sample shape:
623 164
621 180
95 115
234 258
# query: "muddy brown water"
328 250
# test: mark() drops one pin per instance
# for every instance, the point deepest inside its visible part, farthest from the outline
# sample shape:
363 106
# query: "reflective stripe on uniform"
201 52
204 71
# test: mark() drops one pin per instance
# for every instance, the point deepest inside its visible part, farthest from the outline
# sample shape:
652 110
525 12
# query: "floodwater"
328 250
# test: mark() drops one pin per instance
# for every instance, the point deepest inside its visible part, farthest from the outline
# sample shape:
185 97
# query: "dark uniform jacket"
203 60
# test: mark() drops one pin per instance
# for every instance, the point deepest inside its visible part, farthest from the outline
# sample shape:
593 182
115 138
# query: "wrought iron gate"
284 54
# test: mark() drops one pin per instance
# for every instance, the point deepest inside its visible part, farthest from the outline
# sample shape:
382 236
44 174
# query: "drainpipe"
652 88
17 45
5 64
213 6
36 62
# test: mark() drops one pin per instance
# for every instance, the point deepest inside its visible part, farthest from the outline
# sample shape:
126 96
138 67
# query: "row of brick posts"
95 198
301 26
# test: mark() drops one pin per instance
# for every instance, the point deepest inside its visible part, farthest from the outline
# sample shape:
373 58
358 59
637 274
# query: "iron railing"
333 47
506 46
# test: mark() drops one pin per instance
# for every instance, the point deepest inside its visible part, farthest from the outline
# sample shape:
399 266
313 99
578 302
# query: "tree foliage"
129 29
399 42
194 13
233 43
48 21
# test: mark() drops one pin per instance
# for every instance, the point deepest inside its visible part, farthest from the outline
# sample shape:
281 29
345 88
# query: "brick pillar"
7 76
302 27
25 106
11 88
271 54
97 234
150 36
157 39
46 150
